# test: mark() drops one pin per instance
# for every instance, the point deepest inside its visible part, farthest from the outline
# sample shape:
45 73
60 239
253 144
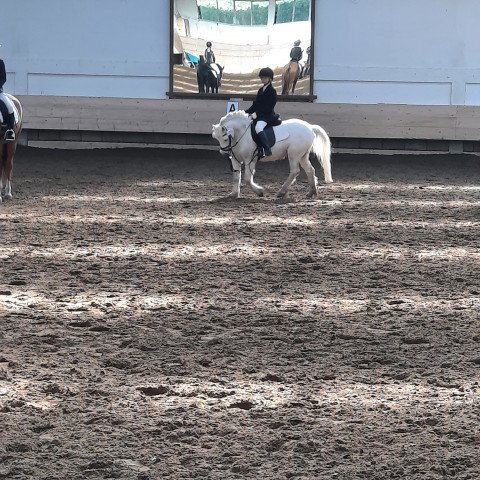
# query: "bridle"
230 147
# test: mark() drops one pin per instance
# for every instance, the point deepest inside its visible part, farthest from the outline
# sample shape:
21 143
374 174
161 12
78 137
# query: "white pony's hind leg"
312 178
237 178
249 173
294 171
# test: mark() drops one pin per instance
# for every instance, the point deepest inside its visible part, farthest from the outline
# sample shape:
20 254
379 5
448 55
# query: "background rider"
296 53
10 120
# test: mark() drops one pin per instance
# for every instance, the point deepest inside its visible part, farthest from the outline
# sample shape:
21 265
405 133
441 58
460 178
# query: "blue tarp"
191 58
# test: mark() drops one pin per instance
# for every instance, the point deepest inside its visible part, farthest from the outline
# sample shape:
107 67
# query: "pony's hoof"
312 194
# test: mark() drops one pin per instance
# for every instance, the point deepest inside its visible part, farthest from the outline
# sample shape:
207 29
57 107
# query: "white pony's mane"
236 115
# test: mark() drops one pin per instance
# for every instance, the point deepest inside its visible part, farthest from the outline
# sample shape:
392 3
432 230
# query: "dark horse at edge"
7 150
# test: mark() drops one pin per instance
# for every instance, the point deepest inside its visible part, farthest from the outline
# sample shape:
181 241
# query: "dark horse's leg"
9 169
7 153
200 81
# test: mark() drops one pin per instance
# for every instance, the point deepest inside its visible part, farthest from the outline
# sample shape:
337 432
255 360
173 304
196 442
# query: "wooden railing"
190 119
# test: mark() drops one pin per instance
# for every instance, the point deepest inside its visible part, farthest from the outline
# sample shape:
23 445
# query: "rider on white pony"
10 120
295 139
262 109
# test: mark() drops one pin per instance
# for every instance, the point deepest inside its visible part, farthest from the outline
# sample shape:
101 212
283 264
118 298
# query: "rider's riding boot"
263 140
10 133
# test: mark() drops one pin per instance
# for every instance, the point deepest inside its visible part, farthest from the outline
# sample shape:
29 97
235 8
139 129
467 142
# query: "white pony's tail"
322 148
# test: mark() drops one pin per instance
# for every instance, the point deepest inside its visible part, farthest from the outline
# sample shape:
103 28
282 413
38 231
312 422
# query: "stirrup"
10 135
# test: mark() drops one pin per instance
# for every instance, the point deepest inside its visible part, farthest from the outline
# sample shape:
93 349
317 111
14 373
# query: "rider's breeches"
7 102
260 126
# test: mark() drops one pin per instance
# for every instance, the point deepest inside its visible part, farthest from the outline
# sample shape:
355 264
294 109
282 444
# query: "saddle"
269 134
274 121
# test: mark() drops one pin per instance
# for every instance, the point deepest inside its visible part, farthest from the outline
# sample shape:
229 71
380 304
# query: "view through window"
220 45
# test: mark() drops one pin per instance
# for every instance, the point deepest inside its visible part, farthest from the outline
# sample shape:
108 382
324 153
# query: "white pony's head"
224 131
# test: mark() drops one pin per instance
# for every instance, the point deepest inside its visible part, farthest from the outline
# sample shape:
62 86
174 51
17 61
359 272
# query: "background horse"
7 151
290 74
298 139
209 77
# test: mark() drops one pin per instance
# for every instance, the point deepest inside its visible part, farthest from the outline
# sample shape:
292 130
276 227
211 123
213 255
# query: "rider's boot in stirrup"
10 133
263 141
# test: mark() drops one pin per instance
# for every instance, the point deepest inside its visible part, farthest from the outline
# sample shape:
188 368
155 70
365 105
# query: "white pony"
294 138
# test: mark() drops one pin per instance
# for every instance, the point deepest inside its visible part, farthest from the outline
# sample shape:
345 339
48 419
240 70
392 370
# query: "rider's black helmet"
266 72
297 43
209 44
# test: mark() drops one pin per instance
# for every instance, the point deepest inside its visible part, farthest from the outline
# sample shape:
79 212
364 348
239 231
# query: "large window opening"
292 11
234 12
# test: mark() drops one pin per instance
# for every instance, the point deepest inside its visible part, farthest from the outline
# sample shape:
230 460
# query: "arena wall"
100 48
386 51
412 57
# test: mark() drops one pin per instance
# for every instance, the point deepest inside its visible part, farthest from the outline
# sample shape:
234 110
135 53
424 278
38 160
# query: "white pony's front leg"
1 189
249 173
237 178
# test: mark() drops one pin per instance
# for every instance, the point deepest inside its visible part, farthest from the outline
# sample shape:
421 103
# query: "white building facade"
366 51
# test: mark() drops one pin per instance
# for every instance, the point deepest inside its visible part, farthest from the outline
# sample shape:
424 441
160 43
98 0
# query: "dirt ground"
151 329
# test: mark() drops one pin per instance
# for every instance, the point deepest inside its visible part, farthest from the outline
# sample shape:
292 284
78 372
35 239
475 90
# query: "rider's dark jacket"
296 53
264 104
3 74
209 55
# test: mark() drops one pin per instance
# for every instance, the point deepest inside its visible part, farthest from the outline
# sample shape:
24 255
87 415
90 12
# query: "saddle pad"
6 111
215 68
3 111
272 134
281 132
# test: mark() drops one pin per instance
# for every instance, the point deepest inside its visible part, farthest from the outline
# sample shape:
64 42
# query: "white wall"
392 51
111 48
423 52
